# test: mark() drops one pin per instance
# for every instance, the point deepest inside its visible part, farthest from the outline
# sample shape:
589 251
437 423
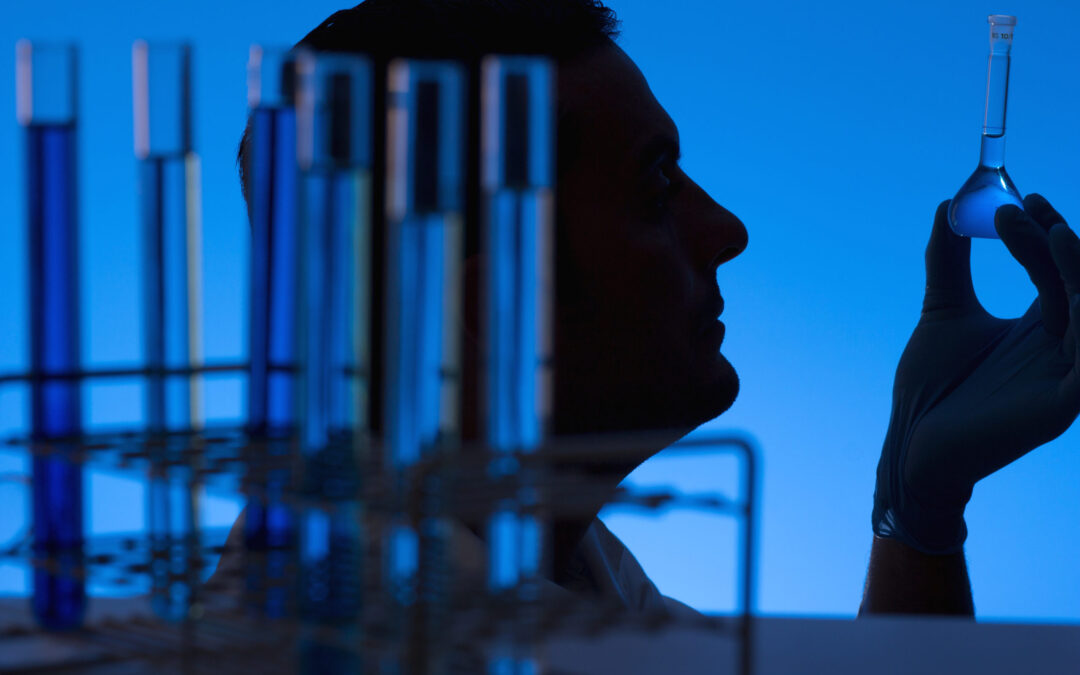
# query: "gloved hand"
973 392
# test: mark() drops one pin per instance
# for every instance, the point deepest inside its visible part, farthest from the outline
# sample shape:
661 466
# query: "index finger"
1029 243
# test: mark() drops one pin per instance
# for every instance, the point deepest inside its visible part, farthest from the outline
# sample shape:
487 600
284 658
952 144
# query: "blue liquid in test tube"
47 102
169 209
425 129
518 144
273 180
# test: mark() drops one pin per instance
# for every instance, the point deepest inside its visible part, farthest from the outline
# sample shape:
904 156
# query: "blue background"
831 130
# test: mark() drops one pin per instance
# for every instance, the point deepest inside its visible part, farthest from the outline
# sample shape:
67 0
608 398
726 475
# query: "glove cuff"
933 531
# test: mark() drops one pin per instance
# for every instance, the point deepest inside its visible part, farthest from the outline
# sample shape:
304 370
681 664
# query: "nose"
716 235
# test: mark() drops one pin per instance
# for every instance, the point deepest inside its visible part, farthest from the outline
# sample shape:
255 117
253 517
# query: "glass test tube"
334 153
272 175
171 239
517 210
425 178
335 160
47 109
971 212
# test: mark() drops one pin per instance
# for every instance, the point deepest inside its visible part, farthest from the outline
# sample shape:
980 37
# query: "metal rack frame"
217 630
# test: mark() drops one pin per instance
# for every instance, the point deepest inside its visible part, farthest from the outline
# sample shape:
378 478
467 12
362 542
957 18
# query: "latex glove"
973 392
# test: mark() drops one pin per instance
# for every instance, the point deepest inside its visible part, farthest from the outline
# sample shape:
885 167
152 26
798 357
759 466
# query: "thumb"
948 266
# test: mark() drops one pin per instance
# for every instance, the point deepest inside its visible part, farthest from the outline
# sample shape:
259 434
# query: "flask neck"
997 91
992 152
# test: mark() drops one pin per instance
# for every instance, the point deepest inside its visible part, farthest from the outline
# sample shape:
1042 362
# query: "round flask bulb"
971 212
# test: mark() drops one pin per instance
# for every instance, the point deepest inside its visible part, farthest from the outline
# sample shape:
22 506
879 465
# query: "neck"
992 152
584 473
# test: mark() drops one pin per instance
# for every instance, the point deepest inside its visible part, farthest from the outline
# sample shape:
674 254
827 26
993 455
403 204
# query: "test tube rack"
218 628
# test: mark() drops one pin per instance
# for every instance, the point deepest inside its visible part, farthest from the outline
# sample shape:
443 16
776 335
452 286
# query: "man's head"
640 335
637 241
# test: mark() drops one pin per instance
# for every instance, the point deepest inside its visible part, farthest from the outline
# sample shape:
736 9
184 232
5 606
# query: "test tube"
971 212
517 216
334 153
272 174
274 223
47 109
425 178
171 233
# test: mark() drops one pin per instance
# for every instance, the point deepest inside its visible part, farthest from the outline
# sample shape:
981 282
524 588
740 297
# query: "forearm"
902 580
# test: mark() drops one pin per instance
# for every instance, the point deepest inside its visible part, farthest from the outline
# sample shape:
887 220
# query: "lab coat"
602 569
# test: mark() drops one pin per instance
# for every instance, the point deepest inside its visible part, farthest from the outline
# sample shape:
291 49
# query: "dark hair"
463 30
466 28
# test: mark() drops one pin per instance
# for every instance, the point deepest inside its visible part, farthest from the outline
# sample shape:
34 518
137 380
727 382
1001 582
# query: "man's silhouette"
636 314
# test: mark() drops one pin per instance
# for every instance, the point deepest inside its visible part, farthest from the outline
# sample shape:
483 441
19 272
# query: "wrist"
929 531
904 580
917 509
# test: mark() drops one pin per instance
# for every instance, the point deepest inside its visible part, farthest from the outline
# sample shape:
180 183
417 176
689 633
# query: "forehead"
610 111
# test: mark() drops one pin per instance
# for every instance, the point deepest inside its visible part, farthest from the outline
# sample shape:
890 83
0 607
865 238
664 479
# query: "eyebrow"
660 148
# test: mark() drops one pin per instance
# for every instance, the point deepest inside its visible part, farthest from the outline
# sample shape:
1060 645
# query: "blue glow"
832 150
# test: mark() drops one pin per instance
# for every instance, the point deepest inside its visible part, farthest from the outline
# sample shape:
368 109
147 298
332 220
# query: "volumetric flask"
971 212
47 103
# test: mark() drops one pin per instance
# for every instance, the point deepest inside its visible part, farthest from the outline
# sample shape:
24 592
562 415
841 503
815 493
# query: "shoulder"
618 576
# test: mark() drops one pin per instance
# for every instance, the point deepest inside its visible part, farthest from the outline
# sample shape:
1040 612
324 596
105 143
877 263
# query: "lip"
710 317
714 333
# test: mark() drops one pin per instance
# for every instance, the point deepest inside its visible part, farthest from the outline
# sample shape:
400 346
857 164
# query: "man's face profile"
637 336
637 340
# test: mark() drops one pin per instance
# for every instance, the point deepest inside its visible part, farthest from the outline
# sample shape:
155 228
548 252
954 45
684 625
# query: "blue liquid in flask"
971 213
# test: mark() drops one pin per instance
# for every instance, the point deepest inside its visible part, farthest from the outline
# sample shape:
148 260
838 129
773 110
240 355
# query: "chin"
683 404
614 398
714 392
